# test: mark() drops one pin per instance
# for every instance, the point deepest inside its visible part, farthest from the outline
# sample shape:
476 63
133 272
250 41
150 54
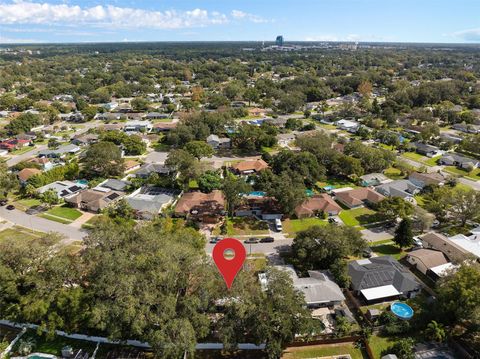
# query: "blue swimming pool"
401 310
84 182
257 194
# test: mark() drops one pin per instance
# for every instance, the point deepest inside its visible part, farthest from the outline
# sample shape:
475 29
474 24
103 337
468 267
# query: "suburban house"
284 139
164 126
454 159
373 179
85 139
427 179
400 188
321 203
443 244
93 200
63 188
60 151
347 125
466 128
157 116
148 201
378 279
147 169
45 163
72 117
138 126
109 116
470 244
427 260
114 185
265 208
358 197
14 144
205 207
26 173
257 112
218 142
318 289
426 150
249 167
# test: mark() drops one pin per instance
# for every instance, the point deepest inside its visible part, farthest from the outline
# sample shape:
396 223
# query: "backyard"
387 248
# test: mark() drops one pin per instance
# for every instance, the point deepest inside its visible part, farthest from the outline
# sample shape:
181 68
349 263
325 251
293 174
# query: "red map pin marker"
229 267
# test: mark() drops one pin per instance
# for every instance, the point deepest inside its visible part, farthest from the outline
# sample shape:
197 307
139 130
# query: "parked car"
278 225
251 240
10 207
267 240
3 202
367 252
334 220
215 240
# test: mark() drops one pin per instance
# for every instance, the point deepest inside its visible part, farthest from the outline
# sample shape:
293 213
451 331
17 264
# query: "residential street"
473 184
42 225
30 154
265 248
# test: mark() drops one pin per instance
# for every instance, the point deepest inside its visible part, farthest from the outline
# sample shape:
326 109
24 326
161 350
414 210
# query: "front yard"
63 214
24 204
243 226
473 175
17 233
359 217
292 226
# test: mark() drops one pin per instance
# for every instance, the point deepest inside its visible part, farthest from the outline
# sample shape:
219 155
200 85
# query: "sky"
56 21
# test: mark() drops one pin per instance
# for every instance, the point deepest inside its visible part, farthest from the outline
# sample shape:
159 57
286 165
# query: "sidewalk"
85 217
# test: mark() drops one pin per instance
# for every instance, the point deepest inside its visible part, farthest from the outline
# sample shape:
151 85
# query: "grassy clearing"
18 233
358 217
432 161
325 351
388 249
72 248
378 344
292 226
473 175
242 226
337 183
55 218
393 173
415 157
257 264
26 203
65 212
22 150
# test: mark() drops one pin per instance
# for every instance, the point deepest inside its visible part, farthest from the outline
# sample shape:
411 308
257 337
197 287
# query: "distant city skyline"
53 21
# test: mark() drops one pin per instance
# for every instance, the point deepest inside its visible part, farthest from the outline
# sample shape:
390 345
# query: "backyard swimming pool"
401 310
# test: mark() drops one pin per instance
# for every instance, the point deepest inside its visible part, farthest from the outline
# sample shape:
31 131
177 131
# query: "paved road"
30 154
473 184
265 248
42 225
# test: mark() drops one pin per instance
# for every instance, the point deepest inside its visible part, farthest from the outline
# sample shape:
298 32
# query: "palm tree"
435 331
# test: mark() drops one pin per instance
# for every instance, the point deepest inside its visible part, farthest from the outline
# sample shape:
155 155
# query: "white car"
278 225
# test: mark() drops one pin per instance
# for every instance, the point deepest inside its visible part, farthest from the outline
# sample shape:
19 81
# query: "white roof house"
470 244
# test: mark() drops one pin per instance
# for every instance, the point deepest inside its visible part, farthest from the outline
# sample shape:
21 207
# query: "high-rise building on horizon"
279 40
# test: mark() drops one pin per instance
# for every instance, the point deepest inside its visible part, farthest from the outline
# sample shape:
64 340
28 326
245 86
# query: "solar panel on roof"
113 196
74 188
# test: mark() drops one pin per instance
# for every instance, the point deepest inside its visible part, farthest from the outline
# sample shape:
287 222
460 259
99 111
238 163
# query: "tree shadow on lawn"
370 218
387 250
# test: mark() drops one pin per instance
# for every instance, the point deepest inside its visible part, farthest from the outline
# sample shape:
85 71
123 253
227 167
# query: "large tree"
233 190
199 149
403 234
103 159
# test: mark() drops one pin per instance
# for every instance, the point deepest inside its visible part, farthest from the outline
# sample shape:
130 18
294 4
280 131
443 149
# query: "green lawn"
473 175
393 173
26 203
415 157
359 217
433 161
387 249
337 183
242 226
379 343
17 233
23 150
65 212
325 351
292 226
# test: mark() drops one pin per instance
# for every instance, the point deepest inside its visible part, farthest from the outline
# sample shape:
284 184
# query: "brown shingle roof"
428 178
430 258
203 203
26 173
256 165
322 202
358 196
441 243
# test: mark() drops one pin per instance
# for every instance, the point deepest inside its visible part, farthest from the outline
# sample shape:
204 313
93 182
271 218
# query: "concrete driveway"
376 234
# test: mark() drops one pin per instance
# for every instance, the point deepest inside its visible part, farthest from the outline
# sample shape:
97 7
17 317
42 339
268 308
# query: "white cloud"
472 35
10 40
28 12
242 15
